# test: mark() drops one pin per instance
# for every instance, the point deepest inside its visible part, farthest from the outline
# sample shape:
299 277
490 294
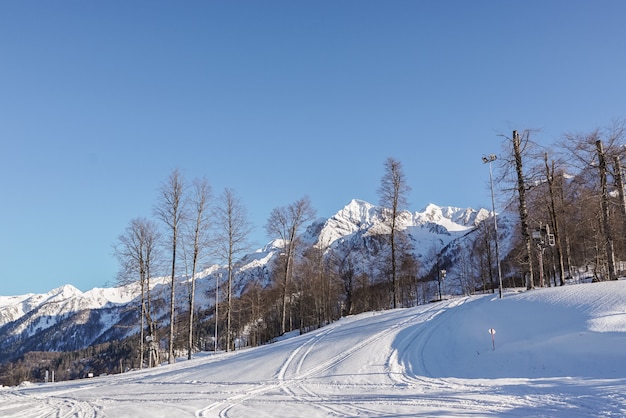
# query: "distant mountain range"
66 319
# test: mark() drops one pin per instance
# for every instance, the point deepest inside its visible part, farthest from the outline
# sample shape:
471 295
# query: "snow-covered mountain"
357 228
362 217
67 319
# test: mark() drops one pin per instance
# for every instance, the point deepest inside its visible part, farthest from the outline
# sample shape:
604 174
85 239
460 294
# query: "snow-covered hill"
558 352
42 322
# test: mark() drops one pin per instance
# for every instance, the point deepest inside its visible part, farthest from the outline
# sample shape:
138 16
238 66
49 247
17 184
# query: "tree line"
570 205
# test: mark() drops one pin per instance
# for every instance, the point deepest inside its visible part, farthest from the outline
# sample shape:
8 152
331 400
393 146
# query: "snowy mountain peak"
453 218
358 204
360 217
358 211
64 292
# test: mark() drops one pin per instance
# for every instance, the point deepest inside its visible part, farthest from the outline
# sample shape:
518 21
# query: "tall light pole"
217 301
488 159
442 275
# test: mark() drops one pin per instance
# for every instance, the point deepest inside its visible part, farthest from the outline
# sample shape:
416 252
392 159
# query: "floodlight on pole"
217 301
488 159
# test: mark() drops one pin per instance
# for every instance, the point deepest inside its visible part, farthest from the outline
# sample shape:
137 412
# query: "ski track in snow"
300 388
19 405
377 364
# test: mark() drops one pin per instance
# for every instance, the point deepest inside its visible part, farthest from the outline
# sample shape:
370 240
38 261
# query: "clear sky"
100 101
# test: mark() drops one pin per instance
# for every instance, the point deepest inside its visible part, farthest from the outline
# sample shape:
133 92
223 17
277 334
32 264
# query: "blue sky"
100 101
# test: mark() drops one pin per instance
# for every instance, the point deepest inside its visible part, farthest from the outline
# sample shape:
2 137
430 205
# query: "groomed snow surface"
558 352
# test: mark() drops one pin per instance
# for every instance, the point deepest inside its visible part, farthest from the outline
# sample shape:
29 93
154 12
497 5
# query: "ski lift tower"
543 239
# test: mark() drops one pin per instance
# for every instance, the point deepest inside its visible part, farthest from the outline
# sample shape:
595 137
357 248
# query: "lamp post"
488 159
217 300
441 274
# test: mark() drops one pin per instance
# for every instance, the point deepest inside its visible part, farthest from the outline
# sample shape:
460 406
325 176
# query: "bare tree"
553 179
617 135
608 234
198 231
342 265
590 153
518 144
519 180
170 209
393 192
136 251
408 271
619 184
285 223
231 239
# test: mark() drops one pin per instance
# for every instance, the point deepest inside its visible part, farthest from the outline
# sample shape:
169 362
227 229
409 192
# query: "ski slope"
558 352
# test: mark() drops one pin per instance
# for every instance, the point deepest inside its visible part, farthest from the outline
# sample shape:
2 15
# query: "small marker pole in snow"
493 338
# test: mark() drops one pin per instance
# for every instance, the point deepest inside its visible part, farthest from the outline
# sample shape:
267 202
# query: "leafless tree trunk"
619 184
153 241
285 223
199 202
136 250
523 210
232 234
393 192
554 215
347 273
608 234
170 209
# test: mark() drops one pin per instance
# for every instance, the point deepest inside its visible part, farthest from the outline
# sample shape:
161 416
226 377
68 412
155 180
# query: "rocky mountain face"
67 319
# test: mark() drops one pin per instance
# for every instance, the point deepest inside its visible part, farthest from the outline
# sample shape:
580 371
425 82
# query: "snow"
558 352
356 215
115 295
14 300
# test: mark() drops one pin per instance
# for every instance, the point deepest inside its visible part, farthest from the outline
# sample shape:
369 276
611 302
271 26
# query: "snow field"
558 352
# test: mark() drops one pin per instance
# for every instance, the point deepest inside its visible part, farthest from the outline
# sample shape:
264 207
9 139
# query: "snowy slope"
558 352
